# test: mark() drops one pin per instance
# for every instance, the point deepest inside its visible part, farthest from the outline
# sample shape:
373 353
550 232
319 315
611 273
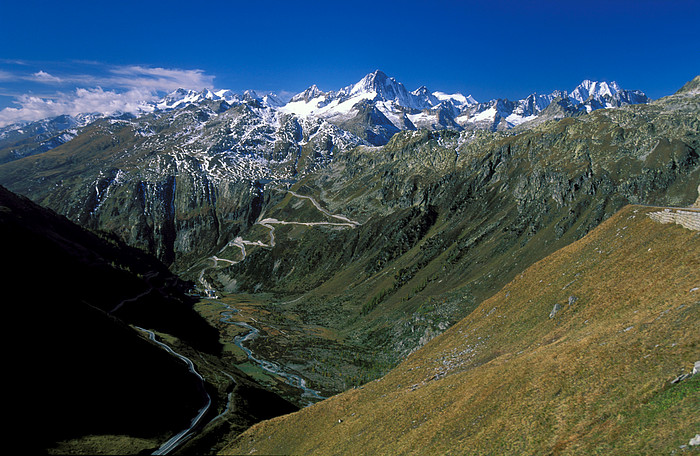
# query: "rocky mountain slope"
187 177
445 218
589 350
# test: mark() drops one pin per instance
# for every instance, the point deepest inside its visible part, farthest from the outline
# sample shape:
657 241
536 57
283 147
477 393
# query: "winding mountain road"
185 434
324 211
226 316
270 223
134 299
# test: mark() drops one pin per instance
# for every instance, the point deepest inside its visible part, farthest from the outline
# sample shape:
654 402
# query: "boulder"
557 308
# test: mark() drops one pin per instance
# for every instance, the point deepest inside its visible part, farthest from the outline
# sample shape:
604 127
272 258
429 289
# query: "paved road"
324 211
270 223
184 435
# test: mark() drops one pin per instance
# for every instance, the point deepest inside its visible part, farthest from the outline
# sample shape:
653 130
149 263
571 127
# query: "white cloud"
42 76
118 89
94 100
160 78
6 76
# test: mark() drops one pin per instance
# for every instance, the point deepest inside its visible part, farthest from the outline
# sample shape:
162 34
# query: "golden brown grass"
105 444
595 379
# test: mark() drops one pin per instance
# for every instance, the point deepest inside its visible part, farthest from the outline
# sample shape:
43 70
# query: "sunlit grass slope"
592 378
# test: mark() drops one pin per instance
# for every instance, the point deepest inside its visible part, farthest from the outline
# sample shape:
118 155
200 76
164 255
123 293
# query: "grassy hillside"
511 378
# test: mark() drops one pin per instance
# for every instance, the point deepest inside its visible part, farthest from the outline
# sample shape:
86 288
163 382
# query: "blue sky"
70 54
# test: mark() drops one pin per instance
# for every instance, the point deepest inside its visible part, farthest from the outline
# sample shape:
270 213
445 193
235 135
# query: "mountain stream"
309 394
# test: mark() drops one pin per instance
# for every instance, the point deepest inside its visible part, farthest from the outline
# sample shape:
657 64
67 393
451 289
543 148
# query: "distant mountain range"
422 108
437 110
373 109
398 109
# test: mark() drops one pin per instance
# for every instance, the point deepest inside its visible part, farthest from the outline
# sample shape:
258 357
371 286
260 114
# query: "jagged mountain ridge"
402 109
423 109
387 94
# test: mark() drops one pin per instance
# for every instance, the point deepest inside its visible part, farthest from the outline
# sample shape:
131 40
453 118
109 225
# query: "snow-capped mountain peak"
457 99
586 97
182 97
273 100
178 97
595 89
424 97
308 94
376 82
377 86
591 95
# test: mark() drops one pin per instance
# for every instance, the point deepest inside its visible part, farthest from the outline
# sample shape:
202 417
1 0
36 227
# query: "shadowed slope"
77 370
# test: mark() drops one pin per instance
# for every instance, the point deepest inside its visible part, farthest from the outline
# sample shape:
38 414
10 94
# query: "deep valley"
392 272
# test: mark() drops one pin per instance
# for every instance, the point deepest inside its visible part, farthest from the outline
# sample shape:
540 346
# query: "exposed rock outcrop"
689 219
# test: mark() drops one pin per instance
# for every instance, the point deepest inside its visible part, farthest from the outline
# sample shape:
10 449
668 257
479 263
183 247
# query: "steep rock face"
369 123
176 217
176 183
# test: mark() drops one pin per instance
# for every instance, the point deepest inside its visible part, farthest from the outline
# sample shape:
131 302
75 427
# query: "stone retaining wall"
685 218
